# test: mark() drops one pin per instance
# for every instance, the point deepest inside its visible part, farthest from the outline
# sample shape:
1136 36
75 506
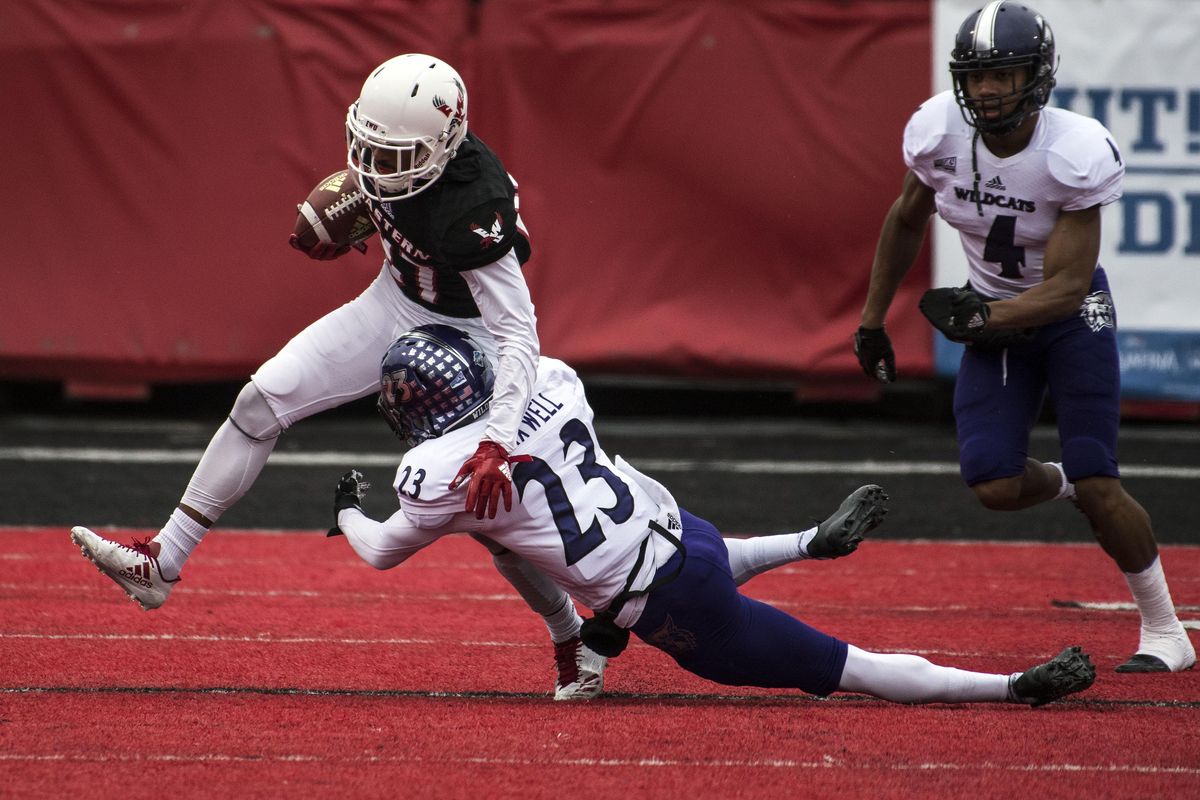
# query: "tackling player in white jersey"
1024 186
620 544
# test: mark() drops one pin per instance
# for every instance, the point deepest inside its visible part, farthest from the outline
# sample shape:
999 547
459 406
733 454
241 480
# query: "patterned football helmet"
1003 35
405 126
435 378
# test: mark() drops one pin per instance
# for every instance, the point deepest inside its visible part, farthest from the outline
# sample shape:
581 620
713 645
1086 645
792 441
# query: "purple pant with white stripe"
998 395
703 622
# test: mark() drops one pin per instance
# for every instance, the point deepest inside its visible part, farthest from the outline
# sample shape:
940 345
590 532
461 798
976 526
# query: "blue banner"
1155 365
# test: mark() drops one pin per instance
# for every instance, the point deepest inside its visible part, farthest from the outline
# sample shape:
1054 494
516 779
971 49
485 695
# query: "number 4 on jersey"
1001 247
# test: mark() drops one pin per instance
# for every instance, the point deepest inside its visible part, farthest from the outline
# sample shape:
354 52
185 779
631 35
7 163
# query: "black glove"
962 314
351 489
875 356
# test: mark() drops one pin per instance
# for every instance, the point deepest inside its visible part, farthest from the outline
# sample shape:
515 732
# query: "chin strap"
975 170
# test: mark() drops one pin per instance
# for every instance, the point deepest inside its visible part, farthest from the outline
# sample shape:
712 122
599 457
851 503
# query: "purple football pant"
998 395
703 622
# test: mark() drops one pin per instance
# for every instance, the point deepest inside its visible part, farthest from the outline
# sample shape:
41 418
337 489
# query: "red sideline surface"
283 666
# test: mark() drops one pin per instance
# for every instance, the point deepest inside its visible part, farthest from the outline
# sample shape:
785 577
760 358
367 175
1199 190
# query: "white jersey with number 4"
577 514
1072 163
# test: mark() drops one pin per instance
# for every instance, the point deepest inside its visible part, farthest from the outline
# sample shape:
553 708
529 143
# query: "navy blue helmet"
435 378
1004 35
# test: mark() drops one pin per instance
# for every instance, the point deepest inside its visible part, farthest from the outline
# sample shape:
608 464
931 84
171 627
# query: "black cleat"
1162 652
840 534
1068 672
1143 662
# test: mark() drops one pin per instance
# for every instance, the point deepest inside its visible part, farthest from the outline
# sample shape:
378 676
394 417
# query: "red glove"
325 251
490 477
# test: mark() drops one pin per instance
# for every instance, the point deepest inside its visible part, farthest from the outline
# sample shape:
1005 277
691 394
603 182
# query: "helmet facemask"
1003 36
389 171
1021 101
394 393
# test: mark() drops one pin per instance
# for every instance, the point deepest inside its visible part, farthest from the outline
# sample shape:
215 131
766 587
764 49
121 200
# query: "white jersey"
577 515
1072 163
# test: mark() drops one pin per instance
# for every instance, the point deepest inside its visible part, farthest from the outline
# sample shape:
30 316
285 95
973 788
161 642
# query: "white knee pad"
253 417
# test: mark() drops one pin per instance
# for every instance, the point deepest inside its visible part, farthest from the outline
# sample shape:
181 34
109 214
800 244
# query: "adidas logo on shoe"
134 575
134 568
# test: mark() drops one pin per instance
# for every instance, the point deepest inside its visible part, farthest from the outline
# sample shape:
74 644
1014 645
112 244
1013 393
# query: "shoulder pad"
465 166
482 235
1085 160
927 129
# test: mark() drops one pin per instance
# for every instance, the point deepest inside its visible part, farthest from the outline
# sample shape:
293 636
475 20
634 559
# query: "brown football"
335 211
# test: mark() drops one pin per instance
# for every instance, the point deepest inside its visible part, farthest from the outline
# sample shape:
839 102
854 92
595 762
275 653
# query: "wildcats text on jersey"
990 199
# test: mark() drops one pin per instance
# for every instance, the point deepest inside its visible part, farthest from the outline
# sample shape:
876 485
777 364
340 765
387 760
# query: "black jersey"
467 219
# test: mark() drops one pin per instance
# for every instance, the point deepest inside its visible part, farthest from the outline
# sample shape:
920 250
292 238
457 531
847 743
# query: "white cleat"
580 670
134 568
1162 652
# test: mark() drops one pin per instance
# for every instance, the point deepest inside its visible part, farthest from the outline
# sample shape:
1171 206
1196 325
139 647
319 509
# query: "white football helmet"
406 125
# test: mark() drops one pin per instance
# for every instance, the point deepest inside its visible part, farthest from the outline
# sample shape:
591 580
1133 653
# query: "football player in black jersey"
448 215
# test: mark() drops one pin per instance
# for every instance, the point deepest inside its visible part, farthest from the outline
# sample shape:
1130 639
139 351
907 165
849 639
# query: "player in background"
1024 185
448 215
619 543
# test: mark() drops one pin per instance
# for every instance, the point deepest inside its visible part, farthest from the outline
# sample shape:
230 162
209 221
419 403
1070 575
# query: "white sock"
756 555
806 538
563 624
1067 490
177 540
542 595
1153 599
1162 635
905 678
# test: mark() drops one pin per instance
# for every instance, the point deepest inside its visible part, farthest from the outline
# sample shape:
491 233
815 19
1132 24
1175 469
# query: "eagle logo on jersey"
1097 310
489 237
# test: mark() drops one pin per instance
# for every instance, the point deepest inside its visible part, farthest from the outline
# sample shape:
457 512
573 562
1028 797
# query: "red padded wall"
703 180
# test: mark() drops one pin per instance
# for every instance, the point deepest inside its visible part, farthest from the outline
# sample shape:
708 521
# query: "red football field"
283 667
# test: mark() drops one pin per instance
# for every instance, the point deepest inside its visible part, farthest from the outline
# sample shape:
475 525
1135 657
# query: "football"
335 212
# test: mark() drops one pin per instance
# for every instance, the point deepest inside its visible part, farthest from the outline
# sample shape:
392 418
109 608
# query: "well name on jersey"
541 409
989 199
